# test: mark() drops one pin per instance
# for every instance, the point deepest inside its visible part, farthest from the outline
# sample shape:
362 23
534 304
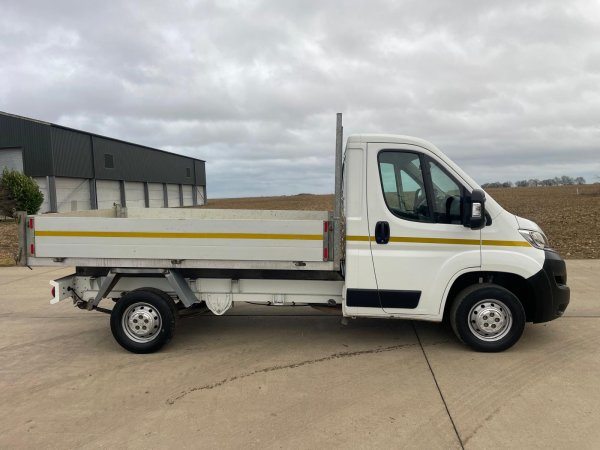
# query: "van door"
418 242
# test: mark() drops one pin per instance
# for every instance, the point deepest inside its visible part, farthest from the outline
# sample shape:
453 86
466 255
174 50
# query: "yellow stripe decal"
166 235
359 238
506 243
419 240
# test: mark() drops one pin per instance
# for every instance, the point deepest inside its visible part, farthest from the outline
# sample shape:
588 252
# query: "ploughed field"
569 215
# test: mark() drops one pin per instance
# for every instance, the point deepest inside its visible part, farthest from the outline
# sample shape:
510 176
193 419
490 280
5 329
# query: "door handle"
382 232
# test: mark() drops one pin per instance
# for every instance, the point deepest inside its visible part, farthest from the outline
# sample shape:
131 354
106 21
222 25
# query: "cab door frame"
413 269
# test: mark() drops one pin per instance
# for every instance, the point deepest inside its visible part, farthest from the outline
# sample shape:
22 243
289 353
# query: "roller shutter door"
72 194
134 195
173 194
155 195
11 158
188 199
108 192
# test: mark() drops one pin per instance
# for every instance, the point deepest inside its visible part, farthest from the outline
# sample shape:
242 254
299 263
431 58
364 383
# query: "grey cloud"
252 87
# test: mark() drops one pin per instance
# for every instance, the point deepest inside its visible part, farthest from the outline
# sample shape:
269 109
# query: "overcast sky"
508 89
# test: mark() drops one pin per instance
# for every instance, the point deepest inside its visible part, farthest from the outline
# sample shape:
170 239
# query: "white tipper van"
411 237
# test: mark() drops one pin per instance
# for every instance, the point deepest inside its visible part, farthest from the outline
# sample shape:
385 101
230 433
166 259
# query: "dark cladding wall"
135 163
34 138
200 170
72 152
53 150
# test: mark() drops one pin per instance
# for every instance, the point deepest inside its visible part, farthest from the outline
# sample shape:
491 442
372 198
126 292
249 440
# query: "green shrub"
18 192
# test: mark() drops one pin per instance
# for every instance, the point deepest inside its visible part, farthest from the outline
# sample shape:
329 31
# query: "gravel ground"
8 242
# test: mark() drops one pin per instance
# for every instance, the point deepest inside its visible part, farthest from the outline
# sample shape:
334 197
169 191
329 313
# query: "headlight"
535 238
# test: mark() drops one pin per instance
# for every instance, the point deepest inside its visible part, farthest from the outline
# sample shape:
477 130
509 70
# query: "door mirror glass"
474 212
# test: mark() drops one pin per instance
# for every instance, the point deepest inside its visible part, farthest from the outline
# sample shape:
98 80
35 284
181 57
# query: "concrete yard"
293 378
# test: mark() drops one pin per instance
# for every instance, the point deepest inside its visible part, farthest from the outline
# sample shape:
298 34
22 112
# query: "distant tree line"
534 182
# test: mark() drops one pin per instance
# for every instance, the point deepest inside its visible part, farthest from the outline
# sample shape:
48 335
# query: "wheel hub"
490 320
141 322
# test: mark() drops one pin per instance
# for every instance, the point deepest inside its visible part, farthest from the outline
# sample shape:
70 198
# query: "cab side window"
447 195
402 184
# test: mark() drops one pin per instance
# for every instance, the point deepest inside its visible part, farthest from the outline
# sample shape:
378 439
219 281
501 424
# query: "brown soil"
569 215
304 202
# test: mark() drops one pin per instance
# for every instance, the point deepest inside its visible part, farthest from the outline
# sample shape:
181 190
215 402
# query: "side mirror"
474 216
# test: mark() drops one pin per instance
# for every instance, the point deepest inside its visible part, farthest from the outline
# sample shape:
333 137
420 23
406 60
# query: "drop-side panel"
236 240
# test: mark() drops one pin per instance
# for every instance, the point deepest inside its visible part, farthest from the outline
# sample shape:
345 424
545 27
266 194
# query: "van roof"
390 139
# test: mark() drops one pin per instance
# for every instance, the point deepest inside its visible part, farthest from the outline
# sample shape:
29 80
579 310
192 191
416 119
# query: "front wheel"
143 320
487 317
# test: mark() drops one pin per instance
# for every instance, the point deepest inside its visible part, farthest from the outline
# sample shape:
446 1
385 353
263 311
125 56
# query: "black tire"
487 317
156 311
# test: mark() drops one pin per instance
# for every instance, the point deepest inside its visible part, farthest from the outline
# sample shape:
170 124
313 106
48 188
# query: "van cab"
423 241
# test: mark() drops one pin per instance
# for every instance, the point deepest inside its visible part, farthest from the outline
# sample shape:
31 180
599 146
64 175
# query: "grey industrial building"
77 170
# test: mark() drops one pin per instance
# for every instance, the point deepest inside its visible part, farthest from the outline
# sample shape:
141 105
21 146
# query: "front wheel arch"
510 281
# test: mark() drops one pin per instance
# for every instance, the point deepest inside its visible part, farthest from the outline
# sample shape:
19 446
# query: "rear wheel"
143 320
487 317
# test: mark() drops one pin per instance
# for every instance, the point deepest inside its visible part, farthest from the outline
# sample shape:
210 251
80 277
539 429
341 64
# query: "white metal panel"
247 240
181 264
42 182
72 194
200 195
156 195
188 199
359 262
205 213
108 192
134 194
173 195
11 158
260 291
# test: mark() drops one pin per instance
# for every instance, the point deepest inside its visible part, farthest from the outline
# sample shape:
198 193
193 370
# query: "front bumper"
549 288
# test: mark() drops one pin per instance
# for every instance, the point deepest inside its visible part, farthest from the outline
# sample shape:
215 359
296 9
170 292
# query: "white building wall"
72 194
173 195
188 199
42 182
108 193
134 195
155 195
200 195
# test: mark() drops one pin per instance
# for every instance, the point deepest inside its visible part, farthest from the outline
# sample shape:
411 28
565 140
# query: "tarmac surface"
264 377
